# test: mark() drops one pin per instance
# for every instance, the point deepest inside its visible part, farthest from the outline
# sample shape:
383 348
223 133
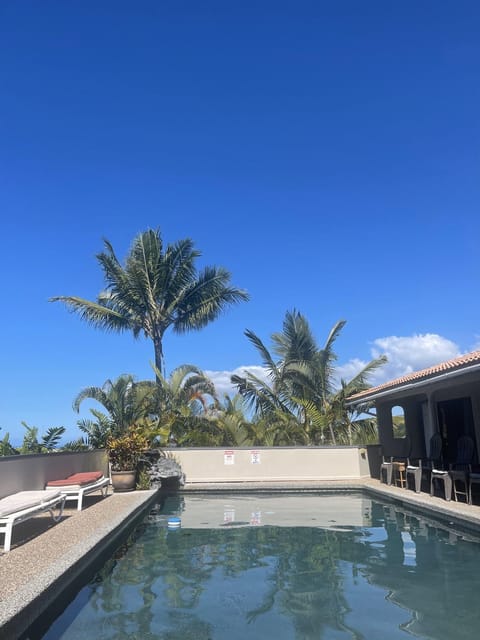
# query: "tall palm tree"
301 381
159 287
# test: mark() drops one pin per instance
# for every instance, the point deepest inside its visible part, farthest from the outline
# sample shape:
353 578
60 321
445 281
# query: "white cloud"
411 353
221 379
405 354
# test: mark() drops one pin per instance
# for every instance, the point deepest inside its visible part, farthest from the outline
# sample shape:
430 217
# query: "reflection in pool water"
241 570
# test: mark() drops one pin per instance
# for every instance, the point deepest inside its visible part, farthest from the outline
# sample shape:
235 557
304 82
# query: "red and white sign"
229 457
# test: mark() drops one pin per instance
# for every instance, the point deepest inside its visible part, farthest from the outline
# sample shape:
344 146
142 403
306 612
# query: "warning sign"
229 457
255 457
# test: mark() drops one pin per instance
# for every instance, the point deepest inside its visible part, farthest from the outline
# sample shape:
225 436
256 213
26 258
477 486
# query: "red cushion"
83 478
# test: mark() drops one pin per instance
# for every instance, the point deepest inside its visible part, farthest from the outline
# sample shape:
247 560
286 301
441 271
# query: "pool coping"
37 571
33 574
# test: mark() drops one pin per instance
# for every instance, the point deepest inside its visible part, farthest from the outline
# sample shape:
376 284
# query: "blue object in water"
174 523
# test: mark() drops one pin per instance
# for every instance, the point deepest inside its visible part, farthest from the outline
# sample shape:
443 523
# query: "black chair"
460 470
418 467
441 475
473 478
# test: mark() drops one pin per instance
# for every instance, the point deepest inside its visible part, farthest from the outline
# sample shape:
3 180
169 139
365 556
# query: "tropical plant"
48 443
301 389
6 448
233 428
157 288
125 401
124 451
80 444
182 402
96 430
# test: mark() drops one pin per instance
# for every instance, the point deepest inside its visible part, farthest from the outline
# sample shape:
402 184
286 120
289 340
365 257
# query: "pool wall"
277 464
32 472
206 465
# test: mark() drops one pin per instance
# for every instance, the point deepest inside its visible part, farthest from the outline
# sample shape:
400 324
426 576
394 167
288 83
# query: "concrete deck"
45 557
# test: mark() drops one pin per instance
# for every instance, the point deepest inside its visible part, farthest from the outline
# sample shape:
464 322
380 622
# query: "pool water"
331 567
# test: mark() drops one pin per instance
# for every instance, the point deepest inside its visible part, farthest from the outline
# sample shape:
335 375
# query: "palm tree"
301 382
182 403
157 288
125 401
49 441
6 447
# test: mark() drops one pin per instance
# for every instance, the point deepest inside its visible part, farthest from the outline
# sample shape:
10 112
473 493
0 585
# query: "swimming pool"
332 566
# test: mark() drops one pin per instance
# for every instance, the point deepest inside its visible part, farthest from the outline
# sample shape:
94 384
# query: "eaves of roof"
468 362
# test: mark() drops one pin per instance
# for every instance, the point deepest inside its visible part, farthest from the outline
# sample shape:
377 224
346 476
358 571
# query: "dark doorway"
455 419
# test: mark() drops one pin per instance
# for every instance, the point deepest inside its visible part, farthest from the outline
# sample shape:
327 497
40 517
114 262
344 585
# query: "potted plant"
124 452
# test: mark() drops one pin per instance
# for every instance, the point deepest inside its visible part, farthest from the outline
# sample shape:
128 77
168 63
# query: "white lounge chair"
24 505
76 486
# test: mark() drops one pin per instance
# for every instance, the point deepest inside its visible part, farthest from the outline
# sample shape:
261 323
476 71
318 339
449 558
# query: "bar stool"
399 473
461 468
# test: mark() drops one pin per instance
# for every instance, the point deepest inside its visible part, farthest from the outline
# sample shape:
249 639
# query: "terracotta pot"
123 480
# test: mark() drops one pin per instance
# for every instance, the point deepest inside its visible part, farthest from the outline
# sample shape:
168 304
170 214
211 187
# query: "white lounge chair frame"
9 521
76 493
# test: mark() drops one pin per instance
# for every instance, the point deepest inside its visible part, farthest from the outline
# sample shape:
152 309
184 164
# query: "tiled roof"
438 369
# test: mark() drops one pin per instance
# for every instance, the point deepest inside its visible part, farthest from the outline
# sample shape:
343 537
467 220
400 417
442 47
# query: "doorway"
455 419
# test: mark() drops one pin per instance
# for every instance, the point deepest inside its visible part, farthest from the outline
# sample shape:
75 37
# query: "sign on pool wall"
229 457
255 457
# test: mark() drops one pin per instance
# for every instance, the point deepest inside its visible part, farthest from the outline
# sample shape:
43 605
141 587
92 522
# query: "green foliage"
125 450
143 480
96 431
125 402
300 402
181 403
157 288
6 448
80 444
49 441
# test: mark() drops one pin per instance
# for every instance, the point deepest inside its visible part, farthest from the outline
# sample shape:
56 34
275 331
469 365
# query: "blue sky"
327 154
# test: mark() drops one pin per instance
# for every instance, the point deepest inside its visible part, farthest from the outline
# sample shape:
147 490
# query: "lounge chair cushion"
77 480
24 500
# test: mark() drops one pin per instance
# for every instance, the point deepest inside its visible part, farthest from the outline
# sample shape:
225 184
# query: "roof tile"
430 372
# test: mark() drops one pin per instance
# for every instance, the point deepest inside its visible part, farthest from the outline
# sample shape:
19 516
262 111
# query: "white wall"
272 464
262 464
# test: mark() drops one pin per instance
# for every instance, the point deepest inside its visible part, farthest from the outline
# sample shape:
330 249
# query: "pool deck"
46 557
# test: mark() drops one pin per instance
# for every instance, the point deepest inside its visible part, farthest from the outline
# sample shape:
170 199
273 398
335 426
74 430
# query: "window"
398 422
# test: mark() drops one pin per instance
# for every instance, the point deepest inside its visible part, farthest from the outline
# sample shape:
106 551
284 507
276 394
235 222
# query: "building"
444 398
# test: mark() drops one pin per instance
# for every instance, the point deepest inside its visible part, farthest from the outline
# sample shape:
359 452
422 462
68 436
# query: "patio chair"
24 505
387 467
473 478
439 474
462 467
76 486
395 466
419 467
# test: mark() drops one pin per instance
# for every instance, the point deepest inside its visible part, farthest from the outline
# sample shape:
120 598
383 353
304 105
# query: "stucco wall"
272 464
22 473
32 472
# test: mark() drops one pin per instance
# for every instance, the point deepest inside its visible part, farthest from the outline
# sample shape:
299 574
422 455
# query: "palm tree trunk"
159 363
332 433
